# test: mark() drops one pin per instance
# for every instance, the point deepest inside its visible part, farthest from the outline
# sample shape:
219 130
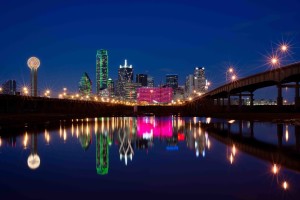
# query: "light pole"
33 63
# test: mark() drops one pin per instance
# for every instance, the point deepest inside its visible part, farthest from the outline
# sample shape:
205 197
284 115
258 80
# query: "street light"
233 77
25 91
284 48
229 71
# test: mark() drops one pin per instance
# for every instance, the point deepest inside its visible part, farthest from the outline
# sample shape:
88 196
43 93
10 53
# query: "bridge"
287 76
215 101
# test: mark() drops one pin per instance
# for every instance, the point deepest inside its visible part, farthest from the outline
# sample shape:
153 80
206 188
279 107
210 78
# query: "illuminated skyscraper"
125 78
111 87
199 79
85 85
196 83
142 79
9 87
150 81
101 70
172 81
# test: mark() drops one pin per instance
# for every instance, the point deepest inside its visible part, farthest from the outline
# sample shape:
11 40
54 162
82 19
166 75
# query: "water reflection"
33 160
122 138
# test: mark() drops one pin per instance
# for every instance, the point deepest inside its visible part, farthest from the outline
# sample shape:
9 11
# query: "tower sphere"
33 63
33 161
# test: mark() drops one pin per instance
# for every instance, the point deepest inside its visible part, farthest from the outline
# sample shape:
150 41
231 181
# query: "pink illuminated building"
154 95
151 127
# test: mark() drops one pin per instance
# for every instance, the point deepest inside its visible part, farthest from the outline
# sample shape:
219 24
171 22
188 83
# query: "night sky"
156 37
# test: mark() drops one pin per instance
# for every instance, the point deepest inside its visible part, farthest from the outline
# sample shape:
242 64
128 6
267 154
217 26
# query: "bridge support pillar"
228 102
251 99
280 134
297 98
297 137
279 95
241 127
240 100
218 101
251 129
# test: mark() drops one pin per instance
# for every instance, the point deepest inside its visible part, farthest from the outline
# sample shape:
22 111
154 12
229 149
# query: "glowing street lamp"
25 91
233 77
33 63
1 89
229 72
284 48
47 93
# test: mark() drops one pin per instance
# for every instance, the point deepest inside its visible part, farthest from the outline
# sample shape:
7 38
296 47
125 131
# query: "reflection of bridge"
280 77
287 156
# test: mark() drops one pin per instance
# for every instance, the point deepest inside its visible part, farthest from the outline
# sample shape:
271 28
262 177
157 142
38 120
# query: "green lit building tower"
85 85
101 70
102 153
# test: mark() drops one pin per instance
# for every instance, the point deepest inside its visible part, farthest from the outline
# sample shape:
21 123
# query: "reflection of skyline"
129 135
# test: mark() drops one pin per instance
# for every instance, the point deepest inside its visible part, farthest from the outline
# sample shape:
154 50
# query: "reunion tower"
33 63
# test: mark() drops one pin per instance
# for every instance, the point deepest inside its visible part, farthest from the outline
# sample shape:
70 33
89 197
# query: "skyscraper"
9 87
142 79
199 79
111 87
172 81
85 85
150 81
101 70
125 76
196 83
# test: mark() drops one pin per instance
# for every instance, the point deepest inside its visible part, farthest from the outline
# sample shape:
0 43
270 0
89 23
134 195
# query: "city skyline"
154 44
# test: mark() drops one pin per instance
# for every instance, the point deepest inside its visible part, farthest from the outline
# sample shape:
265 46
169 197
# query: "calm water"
151 157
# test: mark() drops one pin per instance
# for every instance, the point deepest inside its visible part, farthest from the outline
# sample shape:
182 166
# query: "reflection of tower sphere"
33 63
33 161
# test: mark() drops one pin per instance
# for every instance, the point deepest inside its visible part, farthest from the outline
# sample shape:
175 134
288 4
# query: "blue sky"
156 37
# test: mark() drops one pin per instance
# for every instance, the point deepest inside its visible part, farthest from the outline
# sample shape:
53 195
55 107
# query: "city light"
47 93
285 185
1 89
25 91
25 141
230 74
231 158
274 61
284 48
275 169
233 77
233 150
